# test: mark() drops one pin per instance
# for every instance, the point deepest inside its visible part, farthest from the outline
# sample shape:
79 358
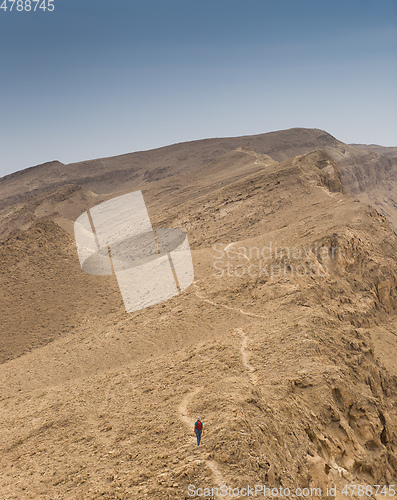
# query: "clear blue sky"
95 78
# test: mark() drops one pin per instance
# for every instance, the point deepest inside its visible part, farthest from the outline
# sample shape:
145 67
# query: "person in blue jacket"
198 429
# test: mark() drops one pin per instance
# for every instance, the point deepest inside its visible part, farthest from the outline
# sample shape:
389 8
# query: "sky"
95 78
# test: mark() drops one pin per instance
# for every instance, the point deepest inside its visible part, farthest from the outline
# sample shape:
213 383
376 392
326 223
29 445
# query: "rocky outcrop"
320 167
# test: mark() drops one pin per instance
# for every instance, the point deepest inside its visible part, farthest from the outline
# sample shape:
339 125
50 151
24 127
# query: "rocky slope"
284 345
362 170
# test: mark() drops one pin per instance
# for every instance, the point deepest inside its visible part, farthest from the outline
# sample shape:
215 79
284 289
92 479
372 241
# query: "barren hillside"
284 344
390 152
362 170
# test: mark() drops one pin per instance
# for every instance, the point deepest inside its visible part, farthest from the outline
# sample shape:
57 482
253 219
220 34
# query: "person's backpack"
199 425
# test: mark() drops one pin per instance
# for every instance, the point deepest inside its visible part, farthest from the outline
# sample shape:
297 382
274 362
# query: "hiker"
198 429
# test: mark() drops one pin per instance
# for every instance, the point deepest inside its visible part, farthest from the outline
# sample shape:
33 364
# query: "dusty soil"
290 367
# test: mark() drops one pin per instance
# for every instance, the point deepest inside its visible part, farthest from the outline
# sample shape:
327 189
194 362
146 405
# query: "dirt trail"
245 356
240 311
188 421
182 409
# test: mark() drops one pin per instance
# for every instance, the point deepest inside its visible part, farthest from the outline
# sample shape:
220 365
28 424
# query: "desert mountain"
285 344
365 174
390 152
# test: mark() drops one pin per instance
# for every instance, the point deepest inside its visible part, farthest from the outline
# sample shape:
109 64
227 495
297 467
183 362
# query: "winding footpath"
245 357
239 311
188 421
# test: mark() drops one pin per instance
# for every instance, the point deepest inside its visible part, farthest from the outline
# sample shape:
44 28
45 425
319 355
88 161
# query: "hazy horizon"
93 80
179 142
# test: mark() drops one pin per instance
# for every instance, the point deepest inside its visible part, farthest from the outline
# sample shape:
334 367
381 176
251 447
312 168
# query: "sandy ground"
293 373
